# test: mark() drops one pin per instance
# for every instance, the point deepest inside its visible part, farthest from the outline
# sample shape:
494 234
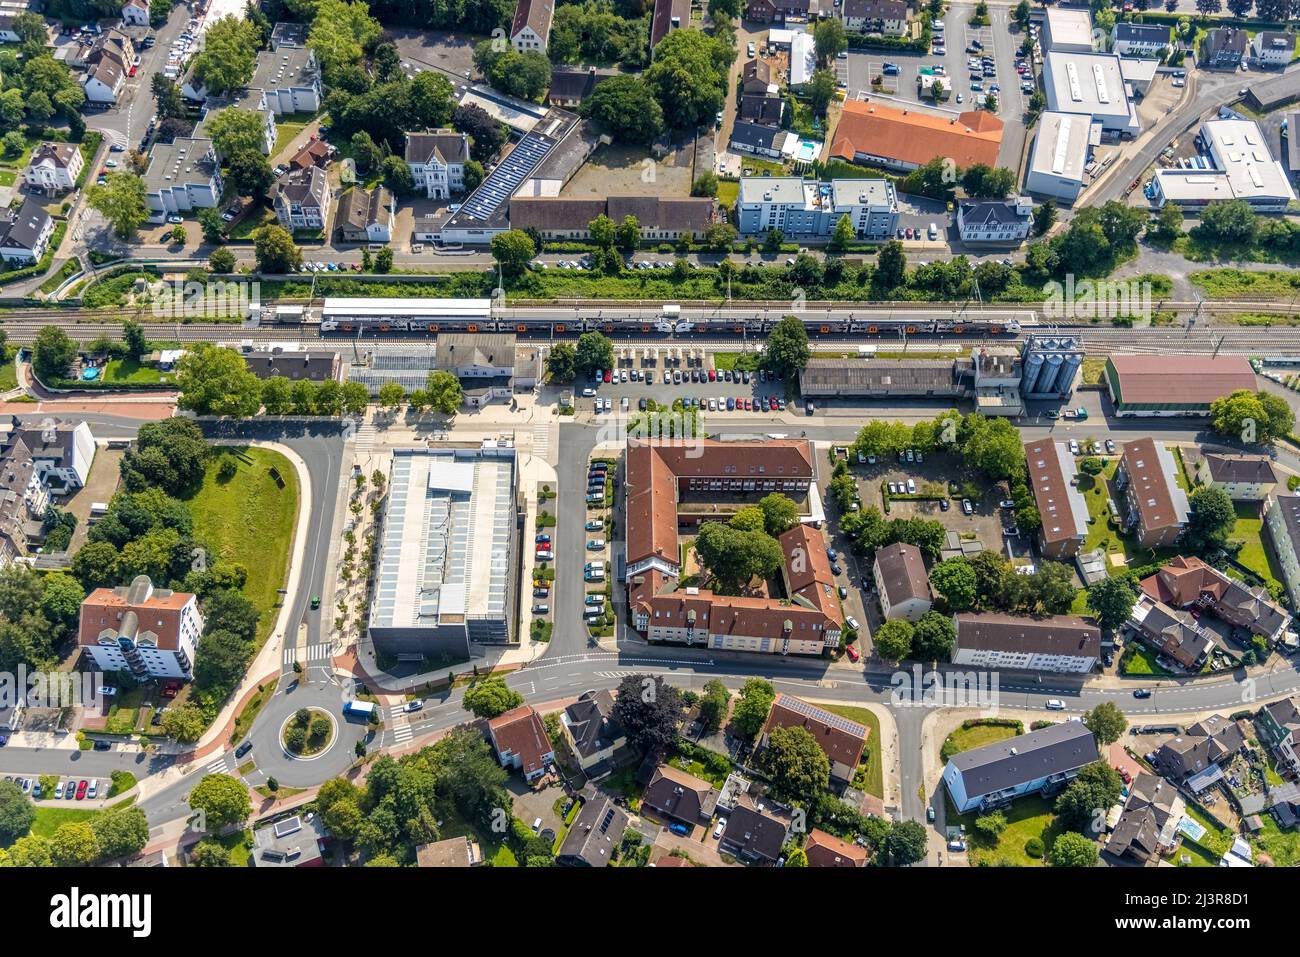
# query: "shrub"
1034 848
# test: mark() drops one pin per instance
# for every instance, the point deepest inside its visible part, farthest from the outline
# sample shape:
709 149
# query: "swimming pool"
89 375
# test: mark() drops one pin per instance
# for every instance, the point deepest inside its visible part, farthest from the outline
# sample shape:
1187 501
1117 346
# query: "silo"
1046 383
1033 365
1069 369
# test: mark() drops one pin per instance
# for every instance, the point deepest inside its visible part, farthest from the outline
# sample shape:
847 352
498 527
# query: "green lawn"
871 771
49 819
1229 283
255 220
964 739
8 373
1196 855
1248 529
728 193
286 133
1027 817
1140 659
239 845
131 372
250 520
1282 846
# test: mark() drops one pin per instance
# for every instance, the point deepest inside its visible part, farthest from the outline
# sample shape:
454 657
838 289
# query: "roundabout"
308 734
301 737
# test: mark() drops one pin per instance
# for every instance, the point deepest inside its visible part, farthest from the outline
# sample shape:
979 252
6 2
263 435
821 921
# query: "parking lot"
641 370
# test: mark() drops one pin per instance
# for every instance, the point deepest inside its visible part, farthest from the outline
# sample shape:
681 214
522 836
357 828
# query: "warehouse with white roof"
1062 148
1069 31
1242 168
448 553
1091 83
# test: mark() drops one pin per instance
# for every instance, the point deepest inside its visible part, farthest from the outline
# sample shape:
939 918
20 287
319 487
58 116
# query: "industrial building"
448 552
1174 383
1091 83
1066 30
800 207
1235 164
1051 365
1062 154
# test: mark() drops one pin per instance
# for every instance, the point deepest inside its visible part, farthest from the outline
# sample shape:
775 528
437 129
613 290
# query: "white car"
175 220
416 705
721 826
1055 704
93 789
852 623
1074 447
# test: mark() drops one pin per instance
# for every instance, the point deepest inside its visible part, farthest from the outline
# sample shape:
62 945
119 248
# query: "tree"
121 201
562 362
780 513
648 709
274 250
170 455
1259 417
983 181
1106 722
61 598
384 260
223 800
1231 221
233 129
713 705
706 184
1169 224
954 579
1021 13
829 39
391 395
736 557
843 234
16 813
52 354
750 713
796 764
444 392
1278 415
906 843
628 234
821 89
30 29
221 660
367 155
485 133
217 381
1083 804
891 265
491 697
1071 849
340 33
74 845
933 637
594 351
185 725
222 260
720 237
894 639
991 826
513 250
228 56
397 175
209 853
688 77
1210 517
120 832
1111 600
787 351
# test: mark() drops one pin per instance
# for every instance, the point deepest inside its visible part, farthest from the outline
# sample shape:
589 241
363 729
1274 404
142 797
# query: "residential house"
762 108
301 199
1155 504
1147 829
886 17
1223 48
1278 726
25 232
756 78
1282 521
1061 506
1272 48
755 832
35 463
1004 221
679 796
453 852
521 742
294 364
1043 761
290 78
905 139
104 81
153 633
842 740
531 27
1192 585
437 161
827 850
668 15
762 140
290 842
595 834
1055 643
136 13
779 11
901 582
1246 478
1196 757
314 152
800 207
1173 633
366 215
290 35
1141 39
593 732
183 175
570 86
53 167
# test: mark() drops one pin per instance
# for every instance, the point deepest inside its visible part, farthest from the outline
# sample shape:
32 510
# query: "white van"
934 231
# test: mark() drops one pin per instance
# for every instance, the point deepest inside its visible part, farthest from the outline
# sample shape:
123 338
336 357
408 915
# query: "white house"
1140 39
104 81
152 633
25 234
996 774
54 167
886 17
183 175
1282 519
1270 48
1056 643
366 215
904 588
1245 478
136 13
531 27
994 220
437 161
302 199
290 78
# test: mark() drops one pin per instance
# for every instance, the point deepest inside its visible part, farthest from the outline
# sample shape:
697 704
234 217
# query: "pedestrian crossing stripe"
219 766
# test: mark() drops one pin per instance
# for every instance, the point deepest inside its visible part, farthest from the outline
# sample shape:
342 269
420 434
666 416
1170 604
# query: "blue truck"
359 709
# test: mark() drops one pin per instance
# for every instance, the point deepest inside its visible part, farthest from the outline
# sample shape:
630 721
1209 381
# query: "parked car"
966 507
81 790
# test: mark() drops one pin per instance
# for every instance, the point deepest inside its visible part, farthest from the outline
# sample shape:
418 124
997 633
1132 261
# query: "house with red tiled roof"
521 742
827 850
1156 507
150 632
842 739
904 139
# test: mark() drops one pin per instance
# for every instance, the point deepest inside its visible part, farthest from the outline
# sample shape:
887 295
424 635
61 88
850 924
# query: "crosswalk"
401 729
309 654
367 437
542 441
219 766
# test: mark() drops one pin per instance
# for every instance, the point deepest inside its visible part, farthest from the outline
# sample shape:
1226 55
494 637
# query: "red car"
851 652
606 376
713 375
81 790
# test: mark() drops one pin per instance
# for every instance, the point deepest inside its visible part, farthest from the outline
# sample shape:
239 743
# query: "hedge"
869 41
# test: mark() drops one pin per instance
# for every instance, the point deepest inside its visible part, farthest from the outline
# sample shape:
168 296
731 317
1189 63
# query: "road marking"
219 766
542 441
366 437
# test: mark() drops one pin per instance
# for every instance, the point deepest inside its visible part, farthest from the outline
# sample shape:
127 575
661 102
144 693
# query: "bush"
1034 848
